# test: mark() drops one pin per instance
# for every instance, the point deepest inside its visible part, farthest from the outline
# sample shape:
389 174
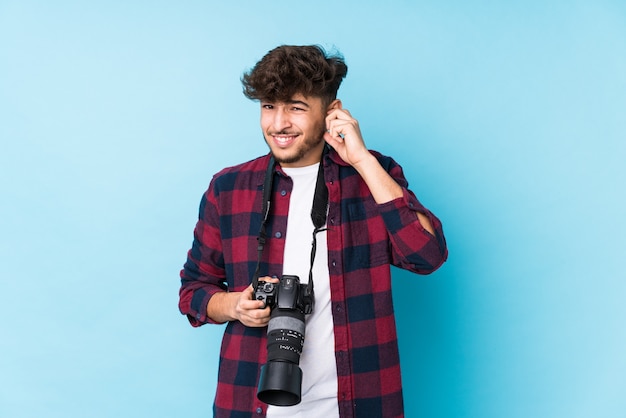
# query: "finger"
339 128
339 114
254 310
333 135
339 118
250 304
250 321
259 317
331 141
249 290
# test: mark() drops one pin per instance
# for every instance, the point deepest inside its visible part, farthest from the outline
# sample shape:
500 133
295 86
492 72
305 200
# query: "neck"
313 157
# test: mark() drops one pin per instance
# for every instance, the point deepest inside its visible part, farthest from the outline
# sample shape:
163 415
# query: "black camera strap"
318 215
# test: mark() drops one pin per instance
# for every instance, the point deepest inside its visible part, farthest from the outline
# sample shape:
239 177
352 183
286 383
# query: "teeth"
283 139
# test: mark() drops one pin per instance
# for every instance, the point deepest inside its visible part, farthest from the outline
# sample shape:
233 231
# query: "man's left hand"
344 135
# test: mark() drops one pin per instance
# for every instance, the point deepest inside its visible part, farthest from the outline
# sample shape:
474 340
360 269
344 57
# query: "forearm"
413 247
221 306
384 188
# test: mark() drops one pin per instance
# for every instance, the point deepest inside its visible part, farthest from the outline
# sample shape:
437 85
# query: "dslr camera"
281 377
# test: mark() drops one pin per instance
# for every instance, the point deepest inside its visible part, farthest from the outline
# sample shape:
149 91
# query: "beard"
302 149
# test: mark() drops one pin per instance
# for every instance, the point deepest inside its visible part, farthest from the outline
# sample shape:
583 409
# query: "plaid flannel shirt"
364 239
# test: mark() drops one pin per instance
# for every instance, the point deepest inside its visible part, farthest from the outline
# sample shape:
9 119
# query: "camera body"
266 292
289 293
280 382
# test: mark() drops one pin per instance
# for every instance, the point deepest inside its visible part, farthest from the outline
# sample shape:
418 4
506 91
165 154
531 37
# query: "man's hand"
240 306
344 135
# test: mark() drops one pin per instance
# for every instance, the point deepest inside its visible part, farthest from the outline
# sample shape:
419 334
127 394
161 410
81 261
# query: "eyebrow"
298 102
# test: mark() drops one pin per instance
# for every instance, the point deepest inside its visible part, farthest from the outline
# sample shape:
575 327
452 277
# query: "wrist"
222 307
366 163
232 302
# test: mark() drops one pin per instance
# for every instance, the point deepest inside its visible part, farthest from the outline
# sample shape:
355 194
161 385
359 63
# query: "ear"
335 104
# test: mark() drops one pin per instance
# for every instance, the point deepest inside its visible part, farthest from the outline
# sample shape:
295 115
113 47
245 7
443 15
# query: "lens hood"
280 383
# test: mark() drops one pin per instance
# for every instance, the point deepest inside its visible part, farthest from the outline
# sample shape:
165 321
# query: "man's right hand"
240 306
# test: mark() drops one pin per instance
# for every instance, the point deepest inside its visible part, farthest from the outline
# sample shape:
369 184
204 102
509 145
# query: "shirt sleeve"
413 247
203 273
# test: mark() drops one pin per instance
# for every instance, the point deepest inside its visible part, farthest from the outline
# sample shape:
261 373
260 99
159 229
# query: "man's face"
294 130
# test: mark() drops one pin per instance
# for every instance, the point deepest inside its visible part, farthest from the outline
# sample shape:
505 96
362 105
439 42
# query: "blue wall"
508 119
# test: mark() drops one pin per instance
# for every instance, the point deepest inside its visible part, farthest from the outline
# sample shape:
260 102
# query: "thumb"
248 291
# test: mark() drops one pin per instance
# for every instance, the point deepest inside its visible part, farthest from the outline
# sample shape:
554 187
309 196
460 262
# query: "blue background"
508 118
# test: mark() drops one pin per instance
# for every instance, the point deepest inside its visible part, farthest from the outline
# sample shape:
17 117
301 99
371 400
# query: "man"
349 360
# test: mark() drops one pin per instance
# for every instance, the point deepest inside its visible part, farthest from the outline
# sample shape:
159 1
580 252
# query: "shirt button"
278 235
332 221
334 263
259 410
283 192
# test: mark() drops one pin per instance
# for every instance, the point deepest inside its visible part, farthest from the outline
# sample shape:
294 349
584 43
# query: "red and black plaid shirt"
364 239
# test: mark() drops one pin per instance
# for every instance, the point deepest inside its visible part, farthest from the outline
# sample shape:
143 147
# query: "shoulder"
386 161
249 167
383 159
248 173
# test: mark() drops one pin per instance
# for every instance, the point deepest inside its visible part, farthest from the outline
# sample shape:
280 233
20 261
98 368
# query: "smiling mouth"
284 139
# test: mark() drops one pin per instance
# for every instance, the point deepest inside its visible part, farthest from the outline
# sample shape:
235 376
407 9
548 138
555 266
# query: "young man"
349 360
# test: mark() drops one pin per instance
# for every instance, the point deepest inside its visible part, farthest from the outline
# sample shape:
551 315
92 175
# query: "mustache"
283 132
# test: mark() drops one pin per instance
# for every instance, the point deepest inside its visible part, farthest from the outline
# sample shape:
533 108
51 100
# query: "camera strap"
318 215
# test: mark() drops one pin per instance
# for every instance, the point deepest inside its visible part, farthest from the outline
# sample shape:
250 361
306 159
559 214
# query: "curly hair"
289 70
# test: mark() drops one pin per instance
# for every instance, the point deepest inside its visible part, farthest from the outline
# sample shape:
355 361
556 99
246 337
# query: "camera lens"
281 378
285 336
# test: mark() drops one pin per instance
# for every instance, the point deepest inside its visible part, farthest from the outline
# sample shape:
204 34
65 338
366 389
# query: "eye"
297 109
267 106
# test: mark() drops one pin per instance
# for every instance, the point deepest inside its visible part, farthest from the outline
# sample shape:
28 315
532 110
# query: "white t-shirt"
319 380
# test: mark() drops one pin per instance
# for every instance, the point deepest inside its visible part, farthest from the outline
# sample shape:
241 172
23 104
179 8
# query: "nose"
281 120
